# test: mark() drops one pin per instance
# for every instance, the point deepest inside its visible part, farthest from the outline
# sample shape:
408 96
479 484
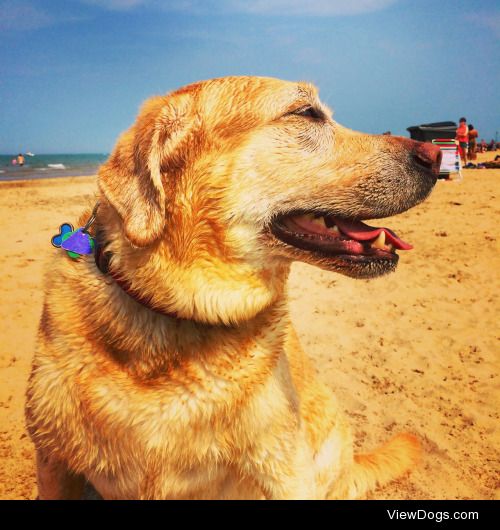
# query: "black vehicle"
431 131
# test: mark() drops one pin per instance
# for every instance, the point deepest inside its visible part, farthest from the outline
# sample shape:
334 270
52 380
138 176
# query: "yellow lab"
167 366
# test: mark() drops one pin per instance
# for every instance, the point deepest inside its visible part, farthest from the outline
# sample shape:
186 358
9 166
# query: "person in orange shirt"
462 139
473 134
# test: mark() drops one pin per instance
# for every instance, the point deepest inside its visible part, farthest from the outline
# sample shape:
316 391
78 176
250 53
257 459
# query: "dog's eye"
308 112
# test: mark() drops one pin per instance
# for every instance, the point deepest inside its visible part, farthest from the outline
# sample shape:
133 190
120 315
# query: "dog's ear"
132 178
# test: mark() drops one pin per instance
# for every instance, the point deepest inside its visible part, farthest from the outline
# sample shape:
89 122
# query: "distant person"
492 146
483 145
462 138
14 161
20 159
492 164
473 134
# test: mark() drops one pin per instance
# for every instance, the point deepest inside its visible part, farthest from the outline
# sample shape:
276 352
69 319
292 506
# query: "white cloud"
119 5
308 7
255 7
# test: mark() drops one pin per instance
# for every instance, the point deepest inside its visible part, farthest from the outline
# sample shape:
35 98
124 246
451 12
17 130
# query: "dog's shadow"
90 493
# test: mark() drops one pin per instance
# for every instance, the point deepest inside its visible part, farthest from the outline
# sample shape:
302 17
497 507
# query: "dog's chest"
187 446
164 439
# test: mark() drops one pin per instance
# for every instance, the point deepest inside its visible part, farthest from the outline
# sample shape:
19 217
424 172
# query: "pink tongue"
361 232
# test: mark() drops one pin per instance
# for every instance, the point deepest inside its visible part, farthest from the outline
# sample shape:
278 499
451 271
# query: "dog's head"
218 186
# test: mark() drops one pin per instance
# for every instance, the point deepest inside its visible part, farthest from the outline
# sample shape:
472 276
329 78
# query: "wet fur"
220 402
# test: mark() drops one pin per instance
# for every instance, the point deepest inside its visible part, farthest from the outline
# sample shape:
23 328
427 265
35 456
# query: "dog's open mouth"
336 237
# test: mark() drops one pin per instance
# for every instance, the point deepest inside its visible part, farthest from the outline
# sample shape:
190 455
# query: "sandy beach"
414 351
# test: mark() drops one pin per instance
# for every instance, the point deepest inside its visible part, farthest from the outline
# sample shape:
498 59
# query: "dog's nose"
428 156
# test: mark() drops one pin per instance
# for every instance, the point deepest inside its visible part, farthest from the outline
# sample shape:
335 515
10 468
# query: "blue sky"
73 73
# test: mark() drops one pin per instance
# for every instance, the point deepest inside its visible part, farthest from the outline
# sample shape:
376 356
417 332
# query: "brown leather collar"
102 258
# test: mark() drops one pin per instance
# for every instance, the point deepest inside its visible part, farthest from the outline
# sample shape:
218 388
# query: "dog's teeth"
334 229
319 221
390 246
380 241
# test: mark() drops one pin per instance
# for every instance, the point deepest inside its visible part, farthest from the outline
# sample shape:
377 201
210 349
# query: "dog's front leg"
288 487
55 480
285 471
